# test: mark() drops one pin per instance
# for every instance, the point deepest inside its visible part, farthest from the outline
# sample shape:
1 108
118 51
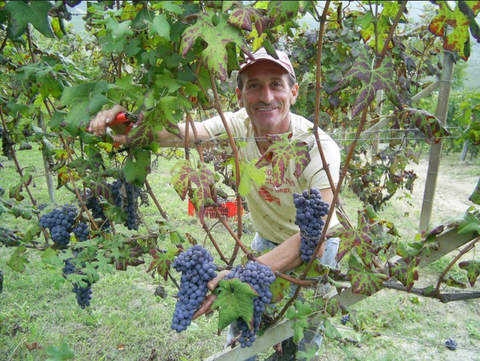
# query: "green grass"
126 321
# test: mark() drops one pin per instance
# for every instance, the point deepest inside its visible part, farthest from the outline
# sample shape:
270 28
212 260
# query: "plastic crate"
227 209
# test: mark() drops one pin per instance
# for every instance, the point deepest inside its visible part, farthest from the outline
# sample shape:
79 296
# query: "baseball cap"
261 54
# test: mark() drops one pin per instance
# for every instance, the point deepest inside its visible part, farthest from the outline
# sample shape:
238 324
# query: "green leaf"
137 167
235 300
248 173
473 270
283 153
18 260
217 36
161 26
475 196
21 14
469 224
364 281
60 353
300 314
119 31
85 99
50 256
330 331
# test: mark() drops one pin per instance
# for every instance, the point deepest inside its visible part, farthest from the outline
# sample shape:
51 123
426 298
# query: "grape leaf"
469 224
60 354
372 81
243 17
282 11
162 260
425 122
137 167
278 289
459 20
161 26
85 99
406 275
475 196
21 14
18 260
364 281
184 173
281 153
248 173
409 252
235 300
118 30
217 36
300 314
473 270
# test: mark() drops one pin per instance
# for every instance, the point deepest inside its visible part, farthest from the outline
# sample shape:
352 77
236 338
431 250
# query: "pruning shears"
122 124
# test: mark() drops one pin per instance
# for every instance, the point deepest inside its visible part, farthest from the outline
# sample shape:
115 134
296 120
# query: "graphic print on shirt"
268 190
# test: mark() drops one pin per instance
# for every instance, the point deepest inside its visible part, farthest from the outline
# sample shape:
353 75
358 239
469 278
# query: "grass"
126 321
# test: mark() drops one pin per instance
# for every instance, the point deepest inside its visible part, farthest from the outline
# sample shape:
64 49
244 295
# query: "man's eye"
277 84
253 85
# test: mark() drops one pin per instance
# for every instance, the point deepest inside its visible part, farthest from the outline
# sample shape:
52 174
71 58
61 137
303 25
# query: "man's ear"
239 97
294 90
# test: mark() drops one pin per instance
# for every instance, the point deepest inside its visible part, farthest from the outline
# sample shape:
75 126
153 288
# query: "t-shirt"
271 208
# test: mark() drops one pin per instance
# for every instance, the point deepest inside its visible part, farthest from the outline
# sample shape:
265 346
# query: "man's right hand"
98 125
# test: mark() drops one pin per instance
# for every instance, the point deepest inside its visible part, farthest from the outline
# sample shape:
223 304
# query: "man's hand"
101 121
205 307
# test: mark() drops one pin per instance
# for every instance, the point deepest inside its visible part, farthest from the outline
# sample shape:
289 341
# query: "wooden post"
436 149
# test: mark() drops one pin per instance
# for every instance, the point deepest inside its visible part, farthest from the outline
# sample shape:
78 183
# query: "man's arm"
98 126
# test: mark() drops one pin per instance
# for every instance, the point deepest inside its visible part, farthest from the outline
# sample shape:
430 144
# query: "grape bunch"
260 277
81 231
310 208
94 206
197 268
84 294
451 344
129 202
59 222
345 319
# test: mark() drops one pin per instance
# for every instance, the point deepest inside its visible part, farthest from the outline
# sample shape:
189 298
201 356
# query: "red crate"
228 209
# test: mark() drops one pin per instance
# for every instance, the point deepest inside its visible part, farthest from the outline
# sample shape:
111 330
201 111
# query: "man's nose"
266 95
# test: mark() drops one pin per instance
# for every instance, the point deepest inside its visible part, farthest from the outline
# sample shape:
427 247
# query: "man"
267 88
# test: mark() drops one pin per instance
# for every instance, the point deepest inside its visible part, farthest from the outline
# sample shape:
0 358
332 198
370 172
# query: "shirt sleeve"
315 171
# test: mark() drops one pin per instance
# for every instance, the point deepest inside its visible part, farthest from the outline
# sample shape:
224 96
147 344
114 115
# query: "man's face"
267 96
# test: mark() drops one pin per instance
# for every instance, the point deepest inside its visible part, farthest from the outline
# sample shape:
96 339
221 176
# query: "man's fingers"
120 139
204 308
100 122
212 284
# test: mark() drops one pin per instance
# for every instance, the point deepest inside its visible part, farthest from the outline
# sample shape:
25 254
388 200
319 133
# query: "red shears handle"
122 118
